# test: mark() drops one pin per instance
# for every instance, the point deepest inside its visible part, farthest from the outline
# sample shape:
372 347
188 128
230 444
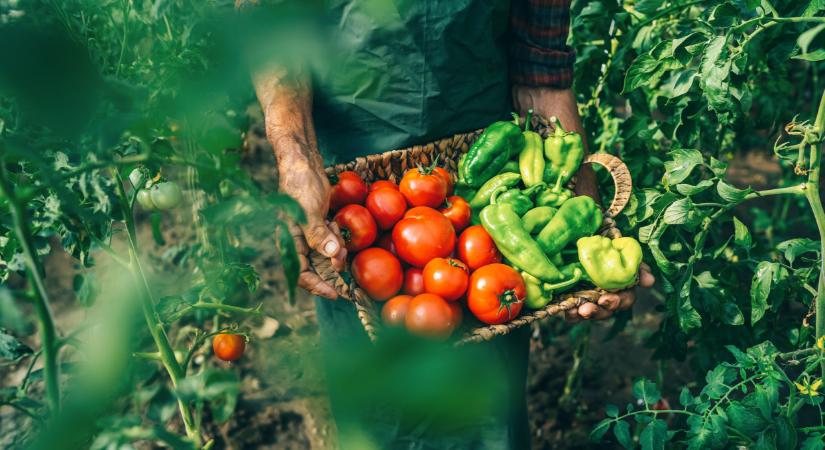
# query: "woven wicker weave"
392 165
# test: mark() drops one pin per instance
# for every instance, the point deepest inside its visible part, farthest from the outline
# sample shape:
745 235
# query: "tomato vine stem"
812 194
150 314
42 306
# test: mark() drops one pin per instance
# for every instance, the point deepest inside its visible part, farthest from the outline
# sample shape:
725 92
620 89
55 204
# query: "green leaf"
600 429
817 55
678 212
289 257
741 236
792 248
622 433
654 435
814 6
710 433
682 164
814 442
685 397
730 193
611 410
688 189
765 276
11 317
689 318
718 167
745 418
11 349
646 390
804 40
716 381
84 288
219 387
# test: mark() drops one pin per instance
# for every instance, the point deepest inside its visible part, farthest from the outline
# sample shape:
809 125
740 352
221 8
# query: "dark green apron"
405 72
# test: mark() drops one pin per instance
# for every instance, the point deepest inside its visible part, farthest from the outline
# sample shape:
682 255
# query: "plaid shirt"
539 55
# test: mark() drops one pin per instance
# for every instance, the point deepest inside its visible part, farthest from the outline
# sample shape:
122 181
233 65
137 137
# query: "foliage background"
680 90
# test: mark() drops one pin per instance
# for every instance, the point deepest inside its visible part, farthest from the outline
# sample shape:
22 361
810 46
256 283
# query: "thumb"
321 238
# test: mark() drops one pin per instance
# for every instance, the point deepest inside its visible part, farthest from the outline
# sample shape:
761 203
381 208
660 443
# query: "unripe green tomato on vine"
145 200
136 177
166 195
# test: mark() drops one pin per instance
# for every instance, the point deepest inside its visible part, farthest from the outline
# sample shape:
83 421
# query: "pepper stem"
577 275
557 126
495 193
528 119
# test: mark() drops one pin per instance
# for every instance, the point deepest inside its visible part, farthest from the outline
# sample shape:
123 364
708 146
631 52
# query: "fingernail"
330 247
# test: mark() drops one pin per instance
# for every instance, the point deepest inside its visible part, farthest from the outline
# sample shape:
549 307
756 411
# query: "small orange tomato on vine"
228 347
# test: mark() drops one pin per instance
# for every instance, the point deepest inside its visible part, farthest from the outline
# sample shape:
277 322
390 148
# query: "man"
399 73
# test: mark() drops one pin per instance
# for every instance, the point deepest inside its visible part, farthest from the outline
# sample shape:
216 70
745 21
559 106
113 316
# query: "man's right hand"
301 179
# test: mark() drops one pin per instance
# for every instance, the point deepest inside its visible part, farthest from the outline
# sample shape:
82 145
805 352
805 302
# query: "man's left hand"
611 301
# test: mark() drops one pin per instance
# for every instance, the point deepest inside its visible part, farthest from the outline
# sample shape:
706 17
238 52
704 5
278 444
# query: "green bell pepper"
514 242
520 202
610 263
564 151
531 159
490 152
535 219
511 166
578 217
539 294
482 196
554 196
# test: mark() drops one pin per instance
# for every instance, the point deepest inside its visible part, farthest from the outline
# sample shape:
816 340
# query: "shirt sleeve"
538 51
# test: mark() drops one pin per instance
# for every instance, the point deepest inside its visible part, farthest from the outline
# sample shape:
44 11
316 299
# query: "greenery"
680 90
685 88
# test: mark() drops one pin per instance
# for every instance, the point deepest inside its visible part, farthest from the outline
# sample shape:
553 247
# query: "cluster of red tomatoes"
414 249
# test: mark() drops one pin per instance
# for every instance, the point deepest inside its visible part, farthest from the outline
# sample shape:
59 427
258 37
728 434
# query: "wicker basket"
392 165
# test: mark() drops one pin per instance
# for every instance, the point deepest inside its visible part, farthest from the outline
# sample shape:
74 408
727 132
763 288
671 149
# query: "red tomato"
496 293
394 311
429 315
422 187
385 242
387 206
458 312
423 234
442 172
476 248
413 281
381 184
458 211
378 273
347 189
446 278
357 227
228 347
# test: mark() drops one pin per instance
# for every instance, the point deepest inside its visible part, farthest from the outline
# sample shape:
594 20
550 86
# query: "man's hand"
562 104
287 105
611 302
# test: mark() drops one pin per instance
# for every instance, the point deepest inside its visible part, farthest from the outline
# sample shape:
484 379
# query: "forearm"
549 102
286 101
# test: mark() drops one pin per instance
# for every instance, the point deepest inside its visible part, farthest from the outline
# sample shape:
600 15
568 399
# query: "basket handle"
622 180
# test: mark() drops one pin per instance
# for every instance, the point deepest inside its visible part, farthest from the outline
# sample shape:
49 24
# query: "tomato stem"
812 194
150 314
42 306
